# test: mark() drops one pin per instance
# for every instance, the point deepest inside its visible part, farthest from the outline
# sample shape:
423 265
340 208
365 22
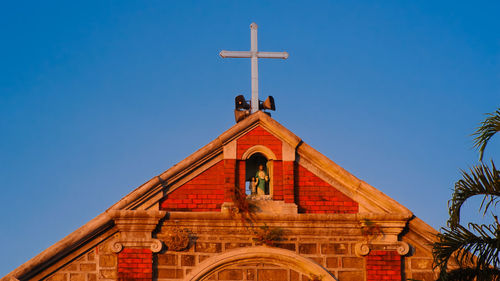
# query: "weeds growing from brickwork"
245 210
268 235
370 230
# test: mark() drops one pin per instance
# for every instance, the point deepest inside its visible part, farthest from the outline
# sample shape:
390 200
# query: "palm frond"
470 274
480 181
485 131
477 251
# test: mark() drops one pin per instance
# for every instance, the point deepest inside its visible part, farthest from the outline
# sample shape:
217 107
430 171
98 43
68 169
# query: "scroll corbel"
136 227
364 248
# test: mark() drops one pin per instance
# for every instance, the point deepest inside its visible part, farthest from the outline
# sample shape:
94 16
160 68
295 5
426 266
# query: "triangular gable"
210 158
369 198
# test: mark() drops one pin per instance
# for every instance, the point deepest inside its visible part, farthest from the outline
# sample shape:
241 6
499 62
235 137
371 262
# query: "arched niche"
276 256
258 151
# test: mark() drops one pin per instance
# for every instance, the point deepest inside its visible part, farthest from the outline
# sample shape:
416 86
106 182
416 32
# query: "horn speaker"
240 115
268 104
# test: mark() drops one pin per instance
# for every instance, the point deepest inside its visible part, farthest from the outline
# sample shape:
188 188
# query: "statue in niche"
260 181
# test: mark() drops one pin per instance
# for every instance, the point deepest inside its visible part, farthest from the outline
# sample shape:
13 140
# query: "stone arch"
269 154
276 256
266 151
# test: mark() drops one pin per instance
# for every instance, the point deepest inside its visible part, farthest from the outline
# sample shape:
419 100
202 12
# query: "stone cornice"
390 225
329 218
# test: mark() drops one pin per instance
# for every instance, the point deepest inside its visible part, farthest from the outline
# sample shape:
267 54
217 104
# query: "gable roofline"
373 199
327 169
104 221
77 238
360 191
207 152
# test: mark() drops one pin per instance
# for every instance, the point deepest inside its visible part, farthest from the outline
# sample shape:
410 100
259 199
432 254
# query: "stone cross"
254 55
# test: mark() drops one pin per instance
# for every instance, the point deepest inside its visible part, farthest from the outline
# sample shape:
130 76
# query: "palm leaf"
477 250
470 274
485 131
480 181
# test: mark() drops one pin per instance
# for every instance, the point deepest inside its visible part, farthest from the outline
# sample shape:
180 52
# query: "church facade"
257 203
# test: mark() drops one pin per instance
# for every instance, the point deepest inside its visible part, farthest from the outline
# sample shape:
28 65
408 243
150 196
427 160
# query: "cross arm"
235 54
273 55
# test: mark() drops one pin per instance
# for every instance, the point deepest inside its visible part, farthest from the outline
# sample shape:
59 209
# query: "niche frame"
269 154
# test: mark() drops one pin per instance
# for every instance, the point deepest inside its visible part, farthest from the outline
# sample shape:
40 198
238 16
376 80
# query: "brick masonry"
332 248
291 183
383 265
316 196
83 268
335 253
203 193
259 136
135 265
418 265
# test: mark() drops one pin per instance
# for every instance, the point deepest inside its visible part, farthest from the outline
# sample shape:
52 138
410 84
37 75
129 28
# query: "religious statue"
260 180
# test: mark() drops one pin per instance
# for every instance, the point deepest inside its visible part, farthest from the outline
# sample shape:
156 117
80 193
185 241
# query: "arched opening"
266 255
252 157
256 175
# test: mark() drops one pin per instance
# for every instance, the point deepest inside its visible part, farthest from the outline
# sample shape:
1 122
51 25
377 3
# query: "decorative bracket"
154 244
136 227
364 248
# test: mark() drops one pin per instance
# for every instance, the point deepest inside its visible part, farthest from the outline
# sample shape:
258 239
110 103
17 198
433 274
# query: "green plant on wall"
268 235
242 207
245 210
370 230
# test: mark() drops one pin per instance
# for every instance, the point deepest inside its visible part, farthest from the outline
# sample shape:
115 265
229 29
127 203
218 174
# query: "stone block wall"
418 265
334 253
83 268
257 271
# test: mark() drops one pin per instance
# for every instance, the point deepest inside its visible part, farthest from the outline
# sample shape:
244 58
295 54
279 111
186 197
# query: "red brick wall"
241 175
383 265
277 178
316 196
258 136
135 265
203 193
288 181
229 178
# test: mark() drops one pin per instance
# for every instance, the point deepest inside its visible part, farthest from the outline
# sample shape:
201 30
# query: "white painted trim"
229 150
288 152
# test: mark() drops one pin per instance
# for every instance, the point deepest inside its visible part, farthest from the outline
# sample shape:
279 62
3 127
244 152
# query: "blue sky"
98 97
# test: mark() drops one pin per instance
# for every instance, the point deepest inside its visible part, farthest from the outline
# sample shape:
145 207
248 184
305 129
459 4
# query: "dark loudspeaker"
240 115
241 103
268 104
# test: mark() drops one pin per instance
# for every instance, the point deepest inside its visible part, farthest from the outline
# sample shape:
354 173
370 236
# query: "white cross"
254 55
